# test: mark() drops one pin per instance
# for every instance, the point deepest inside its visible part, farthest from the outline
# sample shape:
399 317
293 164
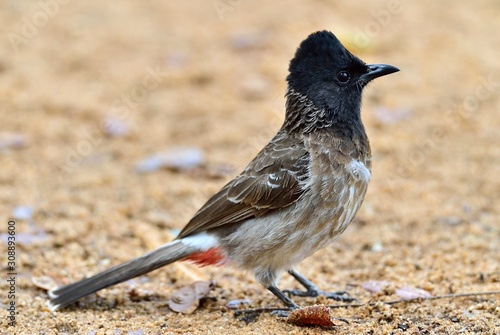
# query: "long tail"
166 254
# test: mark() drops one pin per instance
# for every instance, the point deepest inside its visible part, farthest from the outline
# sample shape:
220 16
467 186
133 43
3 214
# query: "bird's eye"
343 77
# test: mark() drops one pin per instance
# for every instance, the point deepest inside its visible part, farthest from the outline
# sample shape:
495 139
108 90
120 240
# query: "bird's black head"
325 73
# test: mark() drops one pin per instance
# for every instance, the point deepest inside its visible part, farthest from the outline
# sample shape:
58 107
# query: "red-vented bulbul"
294 198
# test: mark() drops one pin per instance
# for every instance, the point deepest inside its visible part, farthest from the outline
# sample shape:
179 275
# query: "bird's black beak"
377 70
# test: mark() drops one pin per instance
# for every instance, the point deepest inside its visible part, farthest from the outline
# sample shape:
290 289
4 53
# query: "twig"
259 310
392 302
437 297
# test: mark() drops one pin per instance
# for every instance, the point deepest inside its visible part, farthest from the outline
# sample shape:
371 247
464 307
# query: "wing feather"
273 180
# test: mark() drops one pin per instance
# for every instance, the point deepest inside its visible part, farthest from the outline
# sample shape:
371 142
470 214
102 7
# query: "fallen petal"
202 288
187 298
44 282
409 293
374 286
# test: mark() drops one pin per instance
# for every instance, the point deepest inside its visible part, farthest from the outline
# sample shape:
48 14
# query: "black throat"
303 116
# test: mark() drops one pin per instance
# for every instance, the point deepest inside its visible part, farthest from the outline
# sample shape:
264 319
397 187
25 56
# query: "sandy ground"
210 75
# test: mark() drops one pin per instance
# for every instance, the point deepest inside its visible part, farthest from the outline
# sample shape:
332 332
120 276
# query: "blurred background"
119 120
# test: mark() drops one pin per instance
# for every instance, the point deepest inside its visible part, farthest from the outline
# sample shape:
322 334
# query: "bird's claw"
281 313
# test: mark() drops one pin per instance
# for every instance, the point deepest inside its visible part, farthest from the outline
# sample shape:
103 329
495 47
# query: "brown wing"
270 182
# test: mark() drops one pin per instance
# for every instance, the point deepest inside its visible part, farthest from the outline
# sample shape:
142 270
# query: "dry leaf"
187 298
318 315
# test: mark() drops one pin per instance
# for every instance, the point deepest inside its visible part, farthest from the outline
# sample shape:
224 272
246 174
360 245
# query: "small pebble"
115 127
377 247
450 220
234 304
22 213
177 60
254 87
12 140
245 42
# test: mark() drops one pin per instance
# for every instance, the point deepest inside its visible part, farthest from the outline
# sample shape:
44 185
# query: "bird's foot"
282 313
339 295
250 315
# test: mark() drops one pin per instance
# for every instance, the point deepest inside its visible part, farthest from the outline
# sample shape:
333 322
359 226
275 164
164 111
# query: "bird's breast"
338 184
333 191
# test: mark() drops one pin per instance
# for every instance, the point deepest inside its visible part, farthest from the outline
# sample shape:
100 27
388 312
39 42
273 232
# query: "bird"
294 198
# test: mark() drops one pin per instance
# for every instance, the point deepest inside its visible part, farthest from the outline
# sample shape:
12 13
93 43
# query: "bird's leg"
313 291
286 300
281 296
